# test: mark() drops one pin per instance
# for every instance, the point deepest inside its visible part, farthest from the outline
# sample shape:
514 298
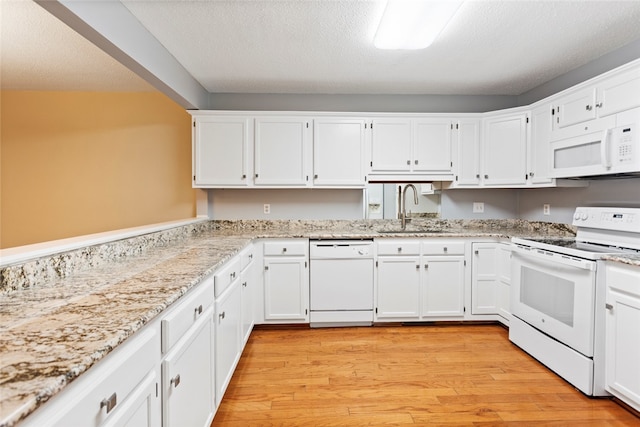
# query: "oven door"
555 293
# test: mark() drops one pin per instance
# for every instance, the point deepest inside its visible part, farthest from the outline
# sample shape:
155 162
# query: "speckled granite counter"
630 259
62 314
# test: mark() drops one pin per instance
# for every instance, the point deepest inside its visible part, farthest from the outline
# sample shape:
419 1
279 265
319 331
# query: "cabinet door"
338 152
539 149
619 93
504 281
227 337
574 108
187 378
281 151
221 146
398 288
622 337
504 150
432 145
443 286
286 289
391 145
484 279
142 407
248 283
466 165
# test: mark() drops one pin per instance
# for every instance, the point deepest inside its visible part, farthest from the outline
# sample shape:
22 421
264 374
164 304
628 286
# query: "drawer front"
226 275
107 392
186 313
443 248
399 247
246 257
285 247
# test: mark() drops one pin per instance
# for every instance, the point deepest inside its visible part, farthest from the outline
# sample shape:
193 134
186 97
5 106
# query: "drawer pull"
109 402
284 250
399 249
198 309
445 249
175 381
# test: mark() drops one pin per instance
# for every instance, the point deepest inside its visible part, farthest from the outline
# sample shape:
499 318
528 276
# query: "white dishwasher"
341 283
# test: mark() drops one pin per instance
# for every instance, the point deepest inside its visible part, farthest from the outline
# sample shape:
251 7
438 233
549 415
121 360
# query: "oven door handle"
568 260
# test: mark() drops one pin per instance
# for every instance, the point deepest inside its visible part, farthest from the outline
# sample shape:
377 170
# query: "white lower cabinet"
228 326
419 280
286 281
490 279
121 390
249 283
622 353
188 394
187 377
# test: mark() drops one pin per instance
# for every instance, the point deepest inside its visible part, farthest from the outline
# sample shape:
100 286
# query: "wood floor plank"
464 375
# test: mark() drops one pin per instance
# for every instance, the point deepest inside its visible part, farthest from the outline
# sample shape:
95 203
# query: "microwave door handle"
605 149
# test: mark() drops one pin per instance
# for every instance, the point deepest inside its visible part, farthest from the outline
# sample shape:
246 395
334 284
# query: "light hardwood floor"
402 375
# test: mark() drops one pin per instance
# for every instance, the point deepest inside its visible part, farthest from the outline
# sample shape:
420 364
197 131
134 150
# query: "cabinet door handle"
417 266
588 107
198 309
408 162
426 266
256 175
476 252
250 256
415 162
244 176
478 175
486 177
232 275
244 285
399 249
608 306
266 267
175 381
221 315
599 105
315 176
445 249
284 250
109 402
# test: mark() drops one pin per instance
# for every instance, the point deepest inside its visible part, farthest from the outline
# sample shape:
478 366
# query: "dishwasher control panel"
337 249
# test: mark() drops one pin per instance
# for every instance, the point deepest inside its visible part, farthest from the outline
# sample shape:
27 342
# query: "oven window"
550 295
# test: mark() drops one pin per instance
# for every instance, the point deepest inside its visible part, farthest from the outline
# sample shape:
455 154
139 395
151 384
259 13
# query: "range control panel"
621 219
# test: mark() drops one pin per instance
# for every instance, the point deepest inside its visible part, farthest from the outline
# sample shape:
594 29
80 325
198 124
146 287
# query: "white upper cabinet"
504 150
391 145
619 93
339 152
574 108
414 147
466 153
432 145
538 147
221 151
281 151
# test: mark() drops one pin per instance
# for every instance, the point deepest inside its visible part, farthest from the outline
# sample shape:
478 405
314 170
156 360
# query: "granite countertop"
54 330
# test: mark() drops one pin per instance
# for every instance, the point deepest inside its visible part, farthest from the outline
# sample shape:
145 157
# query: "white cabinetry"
282 151
339 152
414 147
286 281
443 279
419 280
249 269
119 391
228 324
622 354
398 280
490 279
466 153
538 147
187 367
504 150
221 151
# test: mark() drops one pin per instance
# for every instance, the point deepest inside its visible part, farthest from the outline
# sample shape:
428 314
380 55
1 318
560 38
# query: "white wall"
498 204
286 204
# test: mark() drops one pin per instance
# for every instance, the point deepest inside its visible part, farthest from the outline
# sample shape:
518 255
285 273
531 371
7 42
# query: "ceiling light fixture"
413 24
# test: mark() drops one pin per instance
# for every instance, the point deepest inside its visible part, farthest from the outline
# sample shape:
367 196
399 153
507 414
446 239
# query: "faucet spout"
403 216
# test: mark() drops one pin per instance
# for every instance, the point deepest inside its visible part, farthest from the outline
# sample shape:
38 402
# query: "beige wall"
76 163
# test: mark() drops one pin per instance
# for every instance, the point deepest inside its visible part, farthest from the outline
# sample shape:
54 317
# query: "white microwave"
604 152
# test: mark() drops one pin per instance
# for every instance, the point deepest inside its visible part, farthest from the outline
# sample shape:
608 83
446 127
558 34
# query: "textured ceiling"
325 46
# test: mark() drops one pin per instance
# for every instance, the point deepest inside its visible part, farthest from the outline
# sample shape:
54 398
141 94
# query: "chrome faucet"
403 204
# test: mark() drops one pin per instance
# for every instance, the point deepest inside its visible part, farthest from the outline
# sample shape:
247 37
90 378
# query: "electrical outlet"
546 209
478 207
267 208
